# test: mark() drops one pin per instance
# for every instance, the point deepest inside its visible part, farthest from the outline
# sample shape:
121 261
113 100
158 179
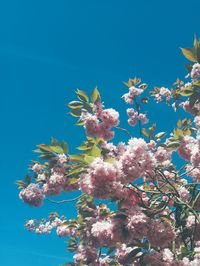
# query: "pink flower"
133 91
190 221
138 223
62 158
143 118
186 107
183 192
37 168
130 112
110 117
197 121
106 231
99 125
122 252
100 178
195 72
132 121
165 92
162 156
187 145
86 254
160 234
63 230
32 195
136 160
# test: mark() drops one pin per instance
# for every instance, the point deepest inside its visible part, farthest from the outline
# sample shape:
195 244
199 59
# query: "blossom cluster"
100 123
154 214
133 92
134 116
50 182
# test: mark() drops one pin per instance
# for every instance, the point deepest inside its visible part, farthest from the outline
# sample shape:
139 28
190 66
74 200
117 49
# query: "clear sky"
50 48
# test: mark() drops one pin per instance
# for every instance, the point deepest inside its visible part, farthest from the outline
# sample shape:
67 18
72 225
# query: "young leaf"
44 147
84 147
146 133
88 159
54 141
76 171
160 135
65 147
76 158
75 104
185 92
82 95
76 112
190 54
95 151
174 144
95 96
80 122
56 149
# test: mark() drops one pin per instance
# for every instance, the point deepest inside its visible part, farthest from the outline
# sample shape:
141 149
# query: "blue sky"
50 48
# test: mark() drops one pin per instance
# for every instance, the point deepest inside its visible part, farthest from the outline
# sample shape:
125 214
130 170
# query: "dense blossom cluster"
32 195
154 214
100 179
137 160
100 123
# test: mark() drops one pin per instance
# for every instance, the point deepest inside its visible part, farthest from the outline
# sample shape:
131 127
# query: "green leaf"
190 54
84 147
153 127
146 133
178 133
57 149
143 86
179 123
173 144
133 253
160 135
95 96
87 107
65 147
95 151
186 92
75 104
110 160
187 132
44 147
72 244
76 158
196 43
196 83
54 141
77 170
46 157
82 95
73 180
88 158
38 151
76 112
193 99
80 122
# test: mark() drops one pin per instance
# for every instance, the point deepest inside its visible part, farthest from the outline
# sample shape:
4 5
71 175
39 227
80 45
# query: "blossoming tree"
154 219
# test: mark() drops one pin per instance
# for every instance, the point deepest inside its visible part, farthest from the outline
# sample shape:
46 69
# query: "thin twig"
125 130
63 201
